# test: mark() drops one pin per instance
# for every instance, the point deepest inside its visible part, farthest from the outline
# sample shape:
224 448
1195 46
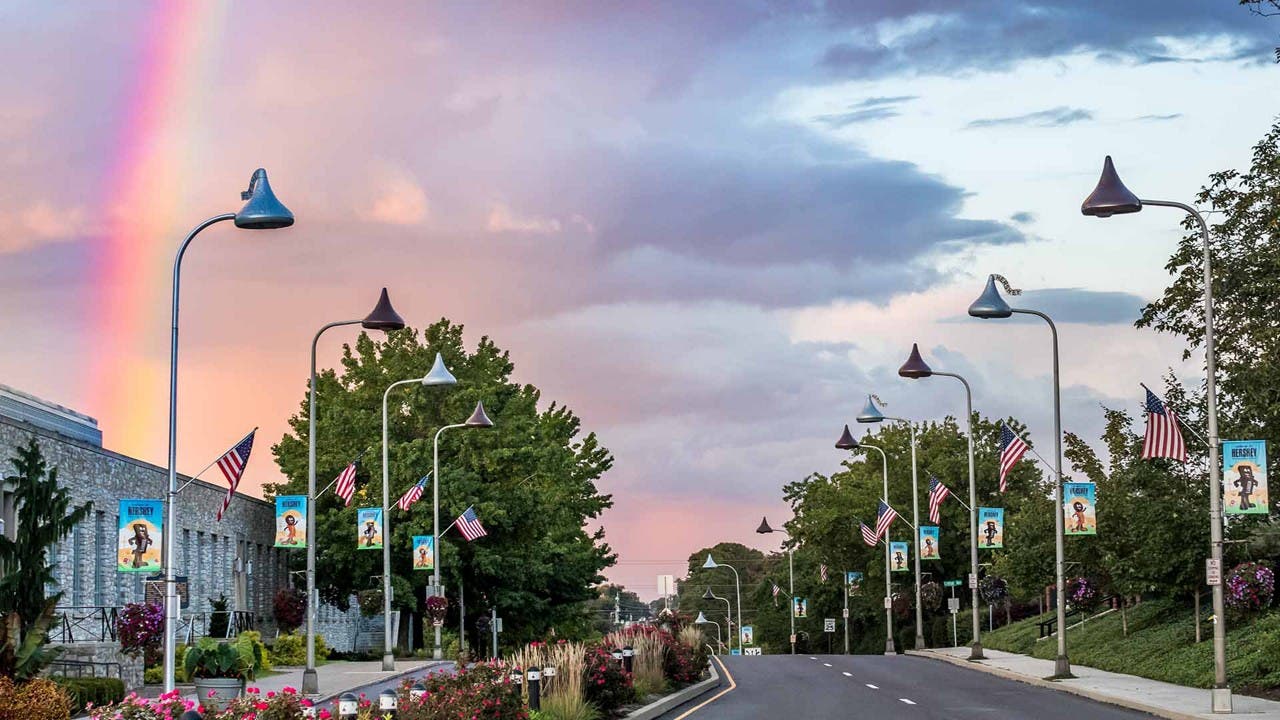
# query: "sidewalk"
338 677
1152 696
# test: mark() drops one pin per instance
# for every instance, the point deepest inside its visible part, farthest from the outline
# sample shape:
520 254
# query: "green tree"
45 518
531 479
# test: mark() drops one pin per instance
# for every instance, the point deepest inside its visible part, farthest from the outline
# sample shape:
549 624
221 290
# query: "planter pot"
223 690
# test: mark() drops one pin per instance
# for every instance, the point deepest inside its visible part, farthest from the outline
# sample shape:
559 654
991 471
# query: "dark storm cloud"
953 35
1053 117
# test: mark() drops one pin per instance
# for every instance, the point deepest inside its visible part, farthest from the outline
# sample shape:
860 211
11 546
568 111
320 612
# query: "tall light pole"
439 375
871 414
710 564
847 442
702 620
915 368
385 318
991 305
791 572
728 614
1109 198
478 419
261 211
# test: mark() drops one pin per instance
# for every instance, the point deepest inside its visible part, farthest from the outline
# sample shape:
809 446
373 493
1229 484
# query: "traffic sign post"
828 625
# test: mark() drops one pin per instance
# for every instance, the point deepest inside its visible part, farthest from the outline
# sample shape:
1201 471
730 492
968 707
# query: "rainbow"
158 142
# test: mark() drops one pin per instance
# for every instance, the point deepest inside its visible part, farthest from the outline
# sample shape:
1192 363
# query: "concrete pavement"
1158 698
805 687
338 677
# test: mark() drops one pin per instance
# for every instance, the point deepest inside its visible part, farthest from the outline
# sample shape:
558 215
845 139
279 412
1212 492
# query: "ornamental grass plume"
647 663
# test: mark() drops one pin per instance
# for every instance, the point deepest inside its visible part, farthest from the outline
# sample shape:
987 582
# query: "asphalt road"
800 687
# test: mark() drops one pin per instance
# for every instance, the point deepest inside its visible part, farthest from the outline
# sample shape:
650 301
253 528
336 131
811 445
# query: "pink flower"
252 690
290 690
211 694
324 714
270 694
305 702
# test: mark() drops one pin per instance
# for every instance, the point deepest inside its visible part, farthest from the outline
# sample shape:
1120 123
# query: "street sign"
828 625
953 604
1212 572
735 651
793 638
973 581
497 624
752 651
951 583
433 591
846 613
888 603
153 590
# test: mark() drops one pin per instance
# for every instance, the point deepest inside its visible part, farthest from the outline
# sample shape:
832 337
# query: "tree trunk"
1197 597
1124 618
1008 612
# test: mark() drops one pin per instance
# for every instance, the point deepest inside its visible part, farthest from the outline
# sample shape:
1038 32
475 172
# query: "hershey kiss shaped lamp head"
990 304
383 317
262 209
846 441
915 367
1110 197
870 413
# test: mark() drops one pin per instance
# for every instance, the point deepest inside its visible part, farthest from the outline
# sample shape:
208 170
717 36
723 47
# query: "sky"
709 228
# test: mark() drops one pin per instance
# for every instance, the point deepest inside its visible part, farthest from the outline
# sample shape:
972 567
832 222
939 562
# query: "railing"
196 625
84 668
85 623
1049 627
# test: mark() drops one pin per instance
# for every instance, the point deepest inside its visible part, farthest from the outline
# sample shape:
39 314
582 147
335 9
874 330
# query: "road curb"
1059 686
330 695
666 704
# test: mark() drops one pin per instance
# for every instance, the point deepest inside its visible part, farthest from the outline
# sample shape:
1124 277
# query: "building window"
100 558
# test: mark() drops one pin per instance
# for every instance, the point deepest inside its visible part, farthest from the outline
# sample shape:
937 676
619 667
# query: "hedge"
99 691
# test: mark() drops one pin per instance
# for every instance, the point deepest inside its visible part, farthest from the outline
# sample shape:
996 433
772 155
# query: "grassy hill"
1160 645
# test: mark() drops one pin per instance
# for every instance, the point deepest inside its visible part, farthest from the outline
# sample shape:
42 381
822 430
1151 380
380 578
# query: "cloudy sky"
709 228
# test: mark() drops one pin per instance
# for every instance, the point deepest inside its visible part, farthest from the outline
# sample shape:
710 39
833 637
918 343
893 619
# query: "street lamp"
261 211
385 318
478 419
728 614
871 414
791 573
991 305
915 368
711 564
702 620
846 442
1109 198
439 375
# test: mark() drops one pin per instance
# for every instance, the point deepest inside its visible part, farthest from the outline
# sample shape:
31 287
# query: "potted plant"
220 669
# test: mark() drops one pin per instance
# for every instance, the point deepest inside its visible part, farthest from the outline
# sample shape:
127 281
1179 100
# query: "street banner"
1244 475
140 536
899 554
424 554
291 521
1079 511
800 607
369 528
929 537
853 580
990 528
748 635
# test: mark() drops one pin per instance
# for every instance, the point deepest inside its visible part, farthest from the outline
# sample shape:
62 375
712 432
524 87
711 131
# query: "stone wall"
107 661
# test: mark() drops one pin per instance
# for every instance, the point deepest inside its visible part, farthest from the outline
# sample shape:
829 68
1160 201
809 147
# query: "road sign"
497 624
735 651
953 604
828 625
793 638
951 583
846 612
752 651
973 581
1212 572
888 603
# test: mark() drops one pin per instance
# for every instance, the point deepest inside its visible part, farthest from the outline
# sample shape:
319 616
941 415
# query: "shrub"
87 692
291 649
38 699
480 692
290 609
608 686
209 658
1250 587
140 627
259 649
284 705
219 618
1082 594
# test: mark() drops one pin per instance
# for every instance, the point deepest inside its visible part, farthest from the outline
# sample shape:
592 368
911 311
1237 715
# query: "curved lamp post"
728 613
846 442
385 318
261 211
1111 197
764 529
871 414
710 564
702 620
439 375
991 305
478 419
915 368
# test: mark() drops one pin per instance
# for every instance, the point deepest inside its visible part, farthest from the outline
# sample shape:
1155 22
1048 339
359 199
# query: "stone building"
234 557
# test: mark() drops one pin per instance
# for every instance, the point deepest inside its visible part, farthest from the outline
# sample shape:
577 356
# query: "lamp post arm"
171 515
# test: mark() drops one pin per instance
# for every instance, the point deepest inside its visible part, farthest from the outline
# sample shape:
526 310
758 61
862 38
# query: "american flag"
345 485
822 572
868 535
776 590
937 493
469 525
232 465
1163 438
884 518
413 494
1012 448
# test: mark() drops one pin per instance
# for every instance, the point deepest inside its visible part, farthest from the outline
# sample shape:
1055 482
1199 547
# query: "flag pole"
908 522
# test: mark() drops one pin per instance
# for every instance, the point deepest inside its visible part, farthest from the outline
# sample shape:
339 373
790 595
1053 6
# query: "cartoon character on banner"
140 541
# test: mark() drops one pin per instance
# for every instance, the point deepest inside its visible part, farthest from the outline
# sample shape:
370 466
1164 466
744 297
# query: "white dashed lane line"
873 687
909 702
827 664
847 674
813 658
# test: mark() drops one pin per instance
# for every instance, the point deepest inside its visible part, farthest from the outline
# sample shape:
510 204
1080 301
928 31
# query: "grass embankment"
1160 645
